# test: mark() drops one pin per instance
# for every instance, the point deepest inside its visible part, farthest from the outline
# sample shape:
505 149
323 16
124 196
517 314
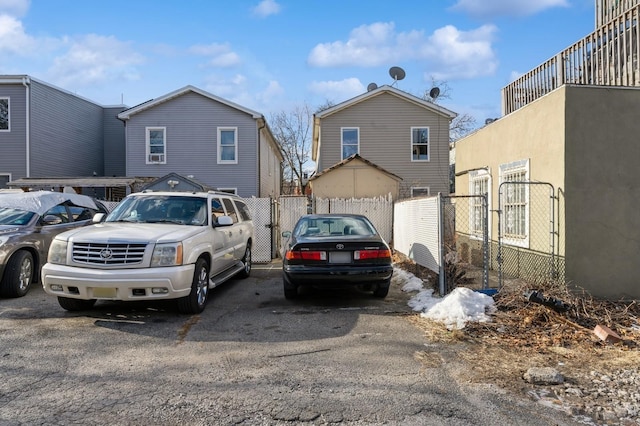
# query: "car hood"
10 229
131 232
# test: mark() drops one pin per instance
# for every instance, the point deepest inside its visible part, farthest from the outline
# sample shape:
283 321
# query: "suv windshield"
161 209
14 216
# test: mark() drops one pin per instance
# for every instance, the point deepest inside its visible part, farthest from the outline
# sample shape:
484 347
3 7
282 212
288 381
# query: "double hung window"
350 141
156 145
227 145
479 184
419 144
514 196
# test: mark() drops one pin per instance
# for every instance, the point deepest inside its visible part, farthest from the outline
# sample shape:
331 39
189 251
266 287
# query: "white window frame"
8 99
342 144
156 158
413 143
8 175
518 201
235 145
228 190
479 180
421 188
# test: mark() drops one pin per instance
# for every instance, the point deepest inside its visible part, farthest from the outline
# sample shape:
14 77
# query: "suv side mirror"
51 219
98 217
223 221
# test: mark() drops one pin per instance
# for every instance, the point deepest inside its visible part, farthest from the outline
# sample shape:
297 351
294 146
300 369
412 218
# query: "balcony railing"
606 57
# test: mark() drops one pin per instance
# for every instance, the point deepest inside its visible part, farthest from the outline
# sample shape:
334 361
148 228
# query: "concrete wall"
584 141
603 191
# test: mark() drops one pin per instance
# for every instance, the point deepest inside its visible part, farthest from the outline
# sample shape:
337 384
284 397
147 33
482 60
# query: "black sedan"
334 251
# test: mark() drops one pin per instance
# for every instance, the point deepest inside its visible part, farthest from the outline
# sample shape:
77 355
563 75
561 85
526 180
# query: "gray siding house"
203 137
392 129
46 131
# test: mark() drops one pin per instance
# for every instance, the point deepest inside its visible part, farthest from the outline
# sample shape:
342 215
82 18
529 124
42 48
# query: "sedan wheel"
195 302
18 275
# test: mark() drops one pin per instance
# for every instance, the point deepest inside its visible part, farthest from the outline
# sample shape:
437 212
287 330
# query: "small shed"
176 182
355 177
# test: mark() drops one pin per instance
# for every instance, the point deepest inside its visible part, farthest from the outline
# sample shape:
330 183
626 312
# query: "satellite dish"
396 73
372 86
434 93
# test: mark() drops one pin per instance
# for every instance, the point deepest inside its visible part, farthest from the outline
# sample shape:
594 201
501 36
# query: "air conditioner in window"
156 158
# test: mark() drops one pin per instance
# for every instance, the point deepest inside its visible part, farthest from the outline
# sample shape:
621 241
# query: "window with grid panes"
479 186
515 204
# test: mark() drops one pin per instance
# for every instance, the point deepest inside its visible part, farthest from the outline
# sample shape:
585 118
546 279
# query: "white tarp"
41 201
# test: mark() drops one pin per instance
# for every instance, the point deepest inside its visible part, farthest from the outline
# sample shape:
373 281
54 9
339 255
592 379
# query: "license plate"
104 293
339 257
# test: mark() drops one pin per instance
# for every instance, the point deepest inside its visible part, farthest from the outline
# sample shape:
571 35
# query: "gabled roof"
366 96
350 159
390 90
126 114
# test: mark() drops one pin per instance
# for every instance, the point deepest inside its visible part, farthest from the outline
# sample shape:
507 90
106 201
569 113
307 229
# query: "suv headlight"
58 252
167 255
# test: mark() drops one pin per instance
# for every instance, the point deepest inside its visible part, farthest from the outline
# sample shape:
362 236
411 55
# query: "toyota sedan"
336 251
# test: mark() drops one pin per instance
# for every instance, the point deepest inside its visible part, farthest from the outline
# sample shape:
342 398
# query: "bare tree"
460 126
293 131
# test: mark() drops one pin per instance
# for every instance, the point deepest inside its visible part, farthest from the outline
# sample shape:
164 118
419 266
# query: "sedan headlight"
58 252
167 255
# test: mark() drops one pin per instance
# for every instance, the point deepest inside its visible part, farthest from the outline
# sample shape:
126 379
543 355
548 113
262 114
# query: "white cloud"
493 8
337 91
272 91
221 54
95 59
14 8
13 38
266 8
458 54
447 53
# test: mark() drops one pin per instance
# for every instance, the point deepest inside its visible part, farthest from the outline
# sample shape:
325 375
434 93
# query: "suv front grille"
108 254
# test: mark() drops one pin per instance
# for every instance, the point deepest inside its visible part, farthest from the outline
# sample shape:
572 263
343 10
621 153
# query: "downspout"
260 127
25 82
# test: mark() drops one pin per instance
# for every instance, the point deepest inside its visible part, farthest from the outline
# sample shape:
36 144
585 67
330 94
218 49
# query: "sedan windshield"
332 226
14 216
161 209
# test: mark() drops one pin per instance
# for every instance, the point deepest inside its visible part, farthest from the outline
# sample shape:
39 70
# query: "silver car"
28 223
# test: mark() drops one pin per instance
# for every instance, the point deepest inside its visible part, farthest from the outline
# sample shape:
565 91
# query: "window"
420 191
243 210
515 202
350 141
479 184
231 210
229 190
228 145
4 114
156 145
419 144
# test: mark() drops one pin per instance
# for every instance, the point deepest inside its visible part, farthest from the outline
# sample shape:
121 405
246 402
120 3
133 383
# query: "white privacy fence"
379 210
416 231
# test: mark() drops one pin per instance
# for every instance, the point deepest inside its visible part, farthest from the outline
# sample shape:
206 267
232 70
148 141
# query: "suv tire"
195 302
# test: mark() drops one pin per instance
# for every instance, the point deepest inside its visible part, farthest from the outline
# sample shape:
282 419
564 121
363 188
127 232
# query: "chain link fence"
527 239
464 242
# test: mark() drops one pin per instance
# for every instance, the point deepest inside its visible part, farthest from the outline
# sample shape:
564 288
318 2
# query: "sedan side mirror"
51 219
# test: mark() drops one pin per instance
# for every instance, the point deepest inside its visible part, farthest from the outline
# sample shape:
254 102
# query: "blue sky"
274 55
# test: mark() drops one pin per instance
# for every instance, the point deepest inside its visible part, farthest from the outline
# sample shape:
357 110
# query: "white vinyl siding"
419 144
156 138
479 184
515 203
227 145
350 141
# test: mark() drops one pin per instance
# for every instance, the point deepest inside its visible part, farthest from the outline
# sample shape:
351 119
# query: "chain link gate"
464 242
527 233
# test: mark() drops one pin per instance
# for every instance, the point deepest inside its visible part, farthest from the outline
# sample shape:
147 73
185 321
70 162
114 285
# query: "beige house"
399 133
559 169
355 177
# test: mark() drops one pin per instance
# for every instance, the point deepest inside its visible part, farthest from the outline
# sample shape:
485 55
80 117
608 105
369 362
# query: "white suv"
154 245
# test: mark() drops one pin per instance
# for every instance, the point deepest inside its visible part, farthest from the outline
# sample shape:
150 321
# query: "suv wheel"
246 261
195 302
18 275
